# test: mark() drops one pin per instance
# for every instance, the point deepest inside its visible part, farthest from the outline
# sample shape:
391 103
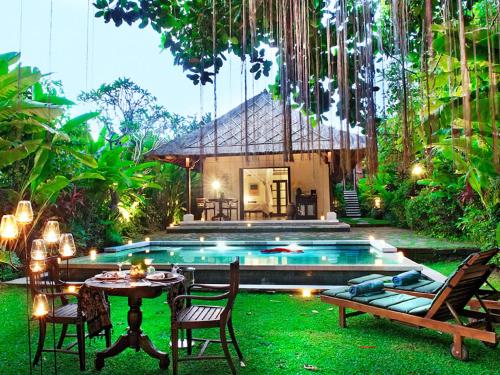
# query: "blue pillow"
368 287
407 278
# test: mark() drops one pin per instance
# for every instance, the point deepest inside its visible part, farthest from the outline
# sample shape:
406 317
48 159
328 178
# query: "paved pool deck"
400 238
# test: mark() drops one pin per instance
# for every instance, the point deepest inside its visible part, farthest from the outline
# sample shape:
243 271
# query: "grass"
278 333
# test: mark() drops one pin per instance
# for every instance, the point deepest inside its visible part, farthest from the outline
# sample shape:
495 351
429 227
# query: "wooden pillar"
188 185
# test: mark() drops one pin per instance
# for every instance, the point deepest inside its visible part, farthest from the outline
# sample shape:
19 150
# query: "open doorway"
266 192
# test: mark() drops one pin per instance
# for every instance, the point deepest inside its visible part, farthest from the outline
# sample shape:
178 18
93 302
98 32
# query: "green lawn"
278 334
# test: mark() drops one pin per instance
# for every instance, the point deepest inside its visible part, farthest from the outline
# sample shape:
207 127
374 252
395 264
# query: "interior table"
135 291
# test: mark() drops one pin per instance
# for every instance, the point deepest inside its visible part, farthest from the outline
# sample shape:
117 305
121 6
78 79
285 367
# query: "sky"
113 52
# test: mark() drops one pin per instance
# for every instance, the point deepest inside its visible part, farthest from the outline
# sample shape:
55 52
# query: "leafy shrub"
338 200
396 203
434 212
479 226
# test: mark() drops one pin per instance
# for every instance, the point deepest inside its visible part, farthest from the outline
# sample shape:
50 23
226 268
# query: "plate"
113 275
161 276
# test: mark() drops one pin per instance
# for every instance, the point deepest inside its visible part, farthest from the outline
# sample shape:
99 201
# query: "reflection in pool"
250 255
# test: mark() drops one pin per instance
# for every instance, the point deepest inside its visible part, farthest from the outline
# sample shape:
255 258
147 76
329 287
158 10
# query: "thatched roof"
265 134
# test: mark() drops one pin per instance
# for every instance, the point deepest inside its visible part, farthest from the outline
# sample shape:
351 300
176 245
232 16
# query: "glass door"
280 197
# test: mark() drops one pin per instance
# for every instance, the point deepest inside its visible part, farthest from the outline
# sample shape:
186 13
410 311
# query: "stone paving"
400 238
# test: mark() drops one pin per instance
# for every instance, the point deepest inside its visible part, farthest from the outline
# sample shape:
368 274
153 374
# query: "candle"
147 239
93 254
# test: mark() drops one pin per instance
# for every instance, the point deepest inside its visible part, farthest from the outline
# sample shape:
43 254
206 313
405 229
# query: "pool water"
250 255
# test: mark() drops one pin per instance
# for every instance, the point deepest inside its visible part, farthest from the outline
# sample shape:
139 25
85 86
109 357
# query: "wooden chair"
445 312
61 311
203 316
205 206
230 207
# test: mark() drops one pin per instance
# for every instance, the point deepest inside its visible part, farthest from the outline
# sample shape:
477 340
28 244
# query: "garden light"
306 293
24 212
38 250
8 227
67 246
40 306
377 202
147 239
202 239
71 289
417 170
51 232
322 218
93 254
249 225
276 239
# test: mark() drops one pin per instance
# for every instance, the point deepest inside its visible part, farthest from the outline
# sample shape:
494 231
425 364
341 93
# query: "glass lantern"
51 232
38 250
24 212
8 227
40 306
67 246
37 266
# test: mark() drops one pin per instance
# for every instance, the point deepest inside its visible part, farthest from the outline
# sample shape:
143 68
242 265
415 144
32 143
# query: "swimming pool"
306 263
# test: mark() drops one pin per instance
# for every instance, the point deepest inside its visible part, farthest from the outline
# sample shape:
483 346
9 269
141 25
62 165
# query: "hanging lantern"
40 306
8 227
51 232
24 212
67 246
37 266
38 250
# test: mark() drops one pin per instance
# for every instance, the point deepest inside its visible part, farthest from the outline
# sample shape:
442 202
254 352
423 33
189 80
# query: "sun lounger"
445 311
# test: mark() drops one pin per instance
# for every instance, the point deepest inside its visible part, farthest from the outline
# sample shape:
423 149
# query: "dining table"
135 291
221 216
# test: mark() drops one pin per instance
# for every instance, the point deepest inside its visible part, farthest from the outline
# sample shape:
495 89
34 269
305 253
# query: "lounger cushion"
372 297
392 300
373 276
414 286
336 290
411 305
433 287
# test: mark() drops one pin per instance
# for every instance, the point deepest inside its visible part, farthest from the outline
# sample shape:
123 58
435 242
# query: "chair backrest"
462 285
234 285
48 282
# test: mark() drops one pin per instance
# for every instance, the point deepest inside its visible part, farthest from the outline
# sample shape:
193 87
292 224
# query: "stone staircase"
351 203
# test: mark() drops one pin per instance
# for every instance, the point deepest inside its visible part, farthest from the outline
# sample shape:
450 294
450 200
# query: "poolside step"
352 208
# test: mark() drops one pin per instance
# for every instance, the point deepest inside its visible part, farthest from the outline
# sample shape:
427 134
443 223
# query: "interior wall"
307 172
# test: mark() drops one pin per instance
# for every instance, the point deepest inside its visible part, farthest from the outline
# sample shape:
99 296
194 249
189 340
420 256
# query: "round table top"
142 288
222 199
